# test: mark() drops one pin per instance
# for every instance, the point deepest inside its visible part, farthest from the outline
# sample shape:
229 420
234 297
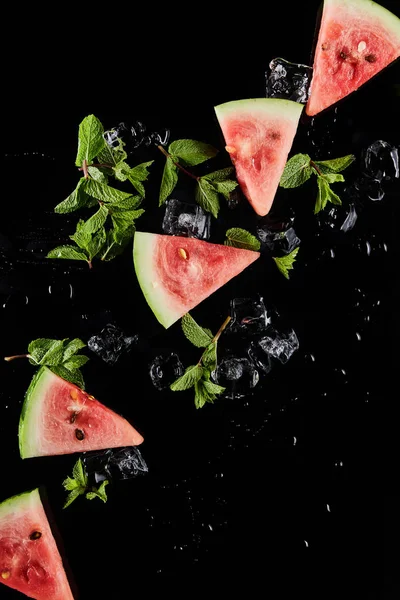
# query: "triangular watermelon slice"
356 40
177 273
258 135
59 418
29 558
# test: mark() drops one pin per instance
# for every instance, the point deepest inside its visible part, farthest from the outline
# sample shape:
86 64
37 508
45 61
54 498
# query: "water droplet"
332 252
358 335
49 289
210 527
328 508
294 440
306 543
368 245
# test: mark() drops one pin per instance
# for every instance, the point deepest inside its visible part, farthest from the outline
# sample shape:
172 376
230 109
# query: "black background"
282 492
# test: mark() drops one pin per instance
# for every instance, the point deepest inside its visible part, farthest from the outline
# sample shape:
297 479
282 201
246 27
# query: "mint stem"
85 169
168 155
10 358
216 336
314 166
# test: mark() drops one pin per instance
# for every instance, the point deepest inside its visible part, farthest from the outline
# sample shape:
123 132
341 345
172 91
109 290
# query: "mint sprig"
77 485
285 263
301 167
198 376
240 238
103 235
60 356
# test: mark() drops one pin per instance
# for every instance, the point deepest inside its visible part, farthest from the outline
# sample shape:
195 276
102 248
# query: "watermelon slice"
357 39
177 273
258 135
59 418
29 558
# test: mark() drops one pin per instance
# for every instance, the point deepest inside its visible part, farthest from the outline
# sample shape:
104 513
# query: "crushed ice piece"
189 220
165 369
110 343
114 464
381 161
237 375
249 315
280 346
278 242
287 80
372 188
338 218
259 357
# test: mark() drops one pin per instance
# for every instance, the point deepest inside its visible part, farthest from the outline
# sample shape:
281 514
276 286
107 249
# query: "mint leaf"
240 238
188 379
220 175
103 192
225 187
112 156
209 358
95 244
67 252
129 203
198 336
72 348
90 140
79 474
100 492
74 376
97 175
296 172
71 484
207 197
96 221
45 351
206 391
73 496
322 195
75 362
285 263
192 152
136 175
333 177
76 200
125 219
169 180
335 165
117 240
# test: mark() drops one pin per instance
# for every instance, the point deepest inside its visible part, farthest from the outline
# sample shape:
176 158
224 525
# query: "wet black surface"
281 491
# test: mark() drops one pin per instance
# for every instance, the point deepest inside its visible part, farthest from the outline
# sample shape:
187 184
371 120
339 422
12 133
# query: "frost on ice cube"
278 242
165 369
189 220
114 464
381 161
249 315
290 81
110 343
280 346
237 375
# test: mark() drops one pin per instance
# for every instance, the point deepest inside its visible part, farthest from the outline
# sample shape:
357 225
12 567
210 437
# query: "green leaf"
98 175
240 238
46 352
198 336
322 195
206 391
333 177
296 172
225 187
213 388
75 362
73 495
79 474
209 358
220 175
96 221
103 192
285 263
90 140
112 156
74 376
71 484
67 252
123 220
188 379
100 492
335 165
117 240
169 180
207 197
96 242
72 348
130 203
135 174
192 152
76 200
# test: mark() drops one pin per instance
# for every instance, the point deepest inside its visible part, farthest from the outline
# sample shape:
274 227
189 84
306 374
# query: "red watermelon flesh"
29 558
60 418
357 39
176 273
258 134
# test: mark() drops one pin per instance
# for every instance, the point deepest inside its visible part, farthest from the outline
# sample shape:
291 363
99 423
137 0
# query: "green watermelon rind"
370 9
26 433
277 107
143 252
20 502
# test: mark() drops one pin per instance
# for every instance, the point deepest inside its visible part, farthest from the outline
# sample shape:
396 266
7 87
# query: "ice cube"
338 218
165 369
259 358
287 80
249 315
237 375
114 464
280 346
113 135
381 161
370 187
110 343
278 242
189 220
